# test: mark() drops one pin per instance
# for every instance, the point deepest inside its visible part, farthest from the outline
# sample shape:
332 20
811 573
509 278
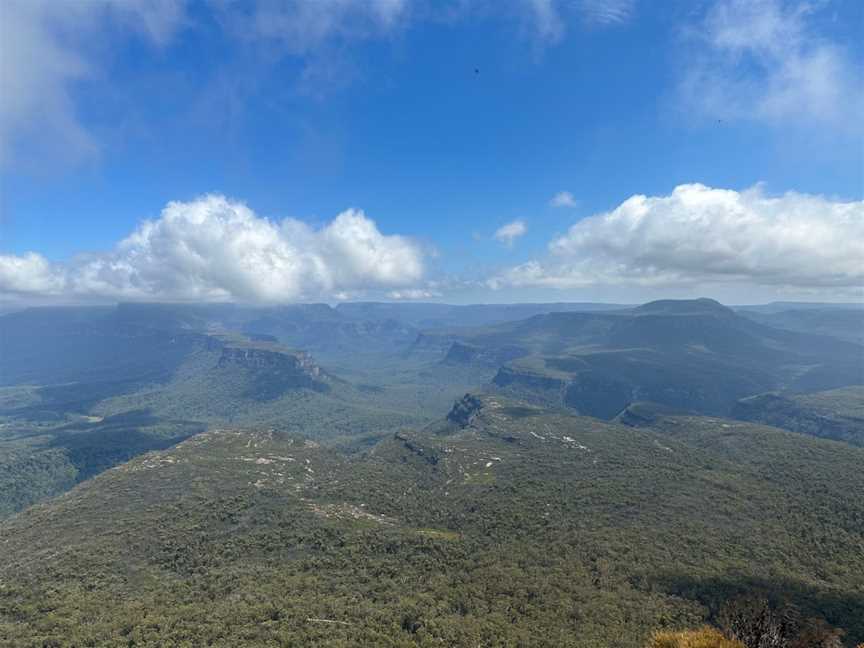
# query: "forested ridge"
504 524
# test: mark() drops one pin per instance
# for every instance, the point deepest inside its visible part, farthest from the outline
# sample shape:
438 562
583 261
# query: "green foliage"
504 525
42 459
835 414
517 526
27 476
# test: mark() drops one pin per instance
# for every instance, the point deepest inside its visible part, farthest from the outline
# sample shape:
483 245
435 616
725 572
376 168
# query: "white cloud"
507 234
46 48
563 199
606 12
413 293
700 235
51 51
548 22
548 18
764 60
30 274
216 249
302 26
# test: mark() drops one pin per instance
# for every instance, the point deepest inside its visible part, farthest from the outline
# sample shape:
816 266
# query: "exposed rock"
464 410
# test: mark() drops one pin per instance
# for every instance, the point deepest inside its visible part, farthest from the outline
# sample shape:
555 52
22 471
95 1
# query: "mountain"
700 306
54 436
431 316
836 414
691 354
83 389
503 524
780 306
843 323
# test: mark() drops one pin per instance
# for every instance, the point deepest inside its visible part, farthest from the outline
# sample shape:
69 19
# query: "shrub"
702 638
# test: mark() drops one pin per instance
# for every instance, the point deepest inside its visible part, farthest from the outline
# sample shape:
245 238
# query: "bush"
757 624
702 638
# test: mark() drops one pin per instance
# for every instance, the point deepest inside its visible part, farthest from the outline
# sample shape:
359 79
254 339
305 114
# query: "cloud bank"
215 249
699 235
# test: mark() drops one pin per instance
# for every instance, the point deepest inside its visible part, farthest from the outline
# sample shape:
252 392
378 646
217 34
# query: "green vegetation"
694 354
227 489
142 377
590 534
836 414
39 459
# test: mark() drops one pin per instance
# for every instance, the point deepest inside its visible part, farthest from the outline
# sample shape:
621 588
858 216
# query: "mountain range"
417 475
499 524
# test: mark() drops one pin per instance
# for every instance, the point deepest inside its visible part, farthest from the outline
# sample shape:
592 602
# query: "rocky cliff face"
464 410
255 358
273 371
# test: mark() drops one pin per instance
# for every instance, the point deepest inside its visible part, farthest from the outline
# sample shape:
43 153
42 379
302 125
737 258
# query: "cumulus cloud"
30 274
507 234
563 199
702 235
215 249
765 60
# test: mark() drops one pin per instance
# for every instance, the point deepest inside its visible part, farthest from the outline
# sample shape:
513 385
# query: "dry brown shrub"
702 638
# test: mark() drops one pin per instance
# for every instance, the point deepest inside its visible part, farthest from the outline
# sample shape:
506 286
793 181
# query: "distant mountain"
152 390
843 323
690 354
33 340
701 306
836 414
83 389
502 524
780 306
430 316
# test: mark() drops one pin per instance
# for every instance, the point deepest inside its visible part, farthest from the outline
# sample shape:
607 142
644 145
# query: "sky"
456 150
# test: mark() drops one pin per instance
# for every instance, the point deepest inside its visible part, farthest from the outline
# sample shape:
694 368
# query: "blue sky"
442 122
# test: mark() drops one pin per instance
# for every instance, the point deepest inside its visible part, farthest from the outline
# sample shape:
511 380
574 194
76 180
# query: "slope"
693 354
835 414
505 524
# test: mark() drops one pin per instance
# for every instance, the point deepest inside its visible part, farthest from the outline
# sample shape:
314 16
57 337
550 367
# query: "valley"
220 475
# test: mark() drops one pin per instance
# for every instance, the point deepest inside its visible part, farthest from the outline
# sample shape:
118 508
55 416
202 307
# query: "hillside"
846 323
94 387
502 524
836 414
88 388
692 354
